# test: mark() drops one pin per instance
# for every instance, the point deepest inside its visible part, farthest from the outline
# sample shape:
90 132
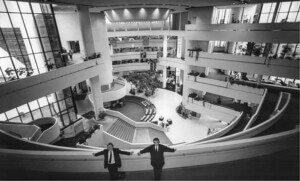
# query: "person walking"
71 54
112 160
157 156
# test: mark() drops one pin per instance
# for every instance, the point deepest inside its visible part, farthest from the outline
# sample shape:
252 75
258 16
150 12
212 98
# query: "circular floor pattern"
137 108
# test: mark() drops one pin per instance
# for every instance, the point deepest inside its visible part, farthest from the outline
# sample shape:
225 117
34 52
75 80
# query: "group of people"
112 159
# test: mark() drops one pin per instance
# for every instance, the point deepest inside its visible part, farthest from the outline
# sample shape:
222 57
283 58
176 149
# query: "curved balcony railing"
74 160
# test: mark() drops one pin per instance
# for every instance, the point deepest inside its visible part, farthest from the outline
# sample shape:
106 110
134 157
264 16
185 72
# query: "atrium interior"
218 80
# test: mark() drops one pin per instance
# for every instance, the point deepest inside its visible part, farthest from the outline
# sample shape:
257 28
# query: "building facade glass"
30 45
29 40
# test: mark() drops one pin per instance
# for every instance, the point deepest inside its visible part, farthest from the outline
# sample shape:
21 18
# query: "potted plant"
101 115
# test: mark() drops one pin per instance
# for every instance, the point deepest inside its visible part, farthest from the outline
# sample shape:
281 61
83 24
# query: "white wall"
203 15
223 91
191 44
102 45
187 155
19 92
249 64
69 29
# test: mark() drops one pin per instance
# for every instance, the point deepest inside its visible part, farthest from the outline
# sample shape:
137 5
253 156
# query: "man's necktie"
156 148
110 156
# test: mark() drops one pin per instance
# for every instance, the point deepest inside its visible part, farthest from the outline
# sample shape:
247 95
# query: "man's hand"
174 149
94 154
131 153
139 153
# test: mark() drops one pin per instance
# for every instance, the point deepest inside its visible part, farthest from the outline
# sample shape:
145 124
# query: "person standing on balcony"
157 156
112 160
71 54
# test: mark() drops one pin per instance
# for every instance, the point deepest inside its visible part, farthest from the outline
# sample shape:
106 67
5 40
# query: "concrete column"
179 47
102 45
86 30
164 76
96 94
181 76
165 46
183 47
259 79
206 71
111 50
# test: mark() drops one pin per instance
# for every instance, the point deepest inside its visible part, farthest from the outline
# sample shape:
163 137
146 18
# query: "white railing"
255 115
132 55
131 67
146 33
243 27
50 134
223 131
26 131
83 161
256 129
212 81
280 99
133 123
173 62
244 88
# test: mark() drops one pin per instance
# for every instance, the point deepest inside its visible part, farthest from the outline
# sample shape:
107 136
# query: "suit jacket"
157 157
116 152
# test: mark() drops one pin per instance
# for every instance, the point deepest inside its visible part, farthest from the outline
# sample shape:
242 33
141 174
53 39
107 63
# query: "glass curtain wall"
59 105
287 12
29 41
30 45
222 16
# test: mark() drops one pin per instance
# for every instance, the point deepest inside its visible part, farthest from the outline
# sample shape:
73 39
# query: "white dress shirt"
111 154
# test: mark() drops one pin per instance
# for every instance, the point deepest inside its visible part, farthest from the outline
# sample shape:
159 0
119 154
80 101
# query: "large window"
29 43
220 43
59 105
288 12
222 16
267 13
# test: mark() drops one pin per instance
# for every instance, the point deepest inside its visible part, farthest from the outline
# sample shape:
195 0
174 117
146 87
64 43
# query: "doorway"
74 46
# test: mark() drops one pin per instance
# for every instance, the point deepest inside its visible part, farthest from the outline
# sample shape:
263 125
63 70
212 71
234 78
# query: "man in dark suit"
112 160
157 156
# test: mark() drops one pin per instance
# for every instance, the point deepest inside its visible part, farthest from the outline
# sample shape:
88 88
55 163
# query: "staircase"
122 130
131 134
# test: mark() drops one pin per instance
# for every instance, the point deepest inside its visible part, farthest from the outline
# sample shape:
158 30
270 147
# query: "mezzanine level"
263 32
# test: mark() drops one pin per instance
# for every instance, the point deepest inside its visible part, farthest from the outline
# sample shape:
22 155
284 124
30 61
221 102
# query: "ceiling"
177 5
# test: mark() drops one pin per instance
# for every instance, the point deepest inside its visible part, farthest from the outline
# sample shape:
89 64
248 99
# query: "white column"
102 45
164 76
206 71
86 30
165 46
259 79
179 47
181 76
96 95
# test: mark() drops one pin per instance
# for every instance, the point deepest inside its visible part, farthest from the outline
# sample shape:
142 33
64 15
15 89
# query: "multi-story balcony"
264 32
249 64
173 62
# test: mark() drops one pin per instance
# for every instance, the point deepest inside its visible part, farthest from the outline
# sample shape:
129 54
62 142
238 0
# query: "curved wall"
52 133
83 161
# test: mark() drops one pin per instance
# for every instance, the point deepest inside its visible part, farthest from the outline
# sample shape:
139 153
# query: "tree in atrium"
144 82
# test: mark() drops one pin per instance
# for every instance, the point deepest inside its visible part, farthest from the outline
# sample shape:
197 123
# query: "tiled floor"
182 130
